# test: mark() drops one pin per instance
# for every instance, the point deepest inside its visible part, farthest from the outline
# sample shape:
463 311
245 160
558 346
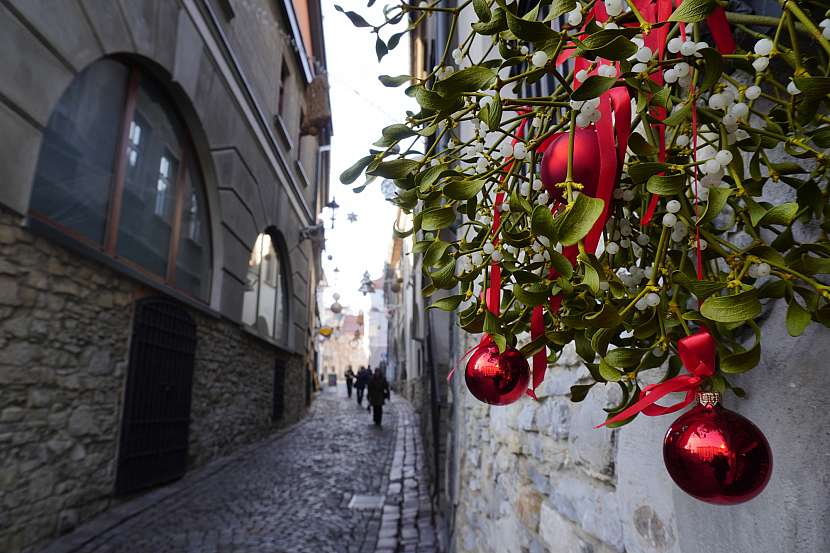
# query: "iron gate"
155 424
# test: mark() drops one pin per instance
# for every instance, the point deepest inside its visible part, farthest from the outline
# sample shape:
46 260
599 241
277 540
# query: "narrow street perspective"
414 276
334 483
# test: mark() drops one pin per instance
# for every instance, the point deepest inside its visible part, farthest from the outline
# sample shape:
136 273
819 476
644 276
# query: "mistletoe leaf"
624 358
470 79
560 7
561 264
490 114
642 171
531 31
712 66
356 19
389 81
732 309
444 277
607 371
666 185
449 303
716 203
737 363
496 24
579 219
813 87
692 11
437 218
798 318
541 222
463 189
781 214
380 48
397 131
593 87
350 175
395 169
435 252
580 391
482 9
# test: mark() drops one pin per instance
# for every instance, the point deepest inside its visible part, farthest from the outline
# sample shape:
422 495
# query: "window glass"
154 153
264 304
77 158
193 259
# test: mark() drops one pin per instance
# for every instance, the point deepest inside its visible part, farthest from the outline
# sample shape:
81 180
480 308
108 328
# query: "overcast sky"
361 107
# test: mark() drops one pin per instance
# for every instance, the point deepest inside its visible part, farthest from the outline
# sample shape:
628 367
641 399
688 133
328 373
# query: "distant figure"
378 393
349 380
363 377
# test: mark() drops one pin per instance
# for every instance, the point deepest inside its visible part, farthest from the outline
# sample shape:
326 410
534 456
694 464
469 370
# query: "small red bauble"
716 455
585 167
497 378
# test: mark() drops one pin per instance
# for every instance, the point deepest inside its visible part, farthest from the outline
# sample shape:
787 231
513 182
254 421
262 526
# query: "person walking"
363 376
378 394
349 380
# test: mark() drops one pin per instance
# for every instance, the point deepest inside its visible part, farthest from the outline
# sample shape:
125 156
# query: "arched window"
117 172
265 304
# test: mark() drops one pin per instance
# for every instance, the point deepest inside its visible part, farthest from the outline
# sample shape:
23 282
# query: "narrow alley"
332 483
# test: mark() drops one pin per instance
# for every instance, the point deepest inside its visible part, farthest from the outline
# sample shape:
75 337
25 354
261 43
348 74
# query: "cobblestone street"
333 483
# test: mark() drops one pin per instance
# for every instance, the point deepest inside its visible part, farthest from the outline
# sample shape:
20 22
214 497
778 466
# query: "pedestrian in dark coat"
363 376
349 380
378 394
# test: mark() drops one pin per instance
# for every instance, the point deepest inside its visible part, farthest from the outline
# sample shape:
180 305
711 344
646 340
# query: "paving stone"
292 493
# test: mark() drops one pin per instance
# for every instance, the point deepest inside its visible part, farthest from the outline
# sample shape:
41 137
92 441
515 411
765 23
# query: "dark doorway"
154 431
278 401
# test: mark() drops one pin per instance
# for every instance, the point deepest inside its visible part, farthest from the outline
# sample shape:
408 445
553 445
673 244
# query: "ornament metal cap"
708 399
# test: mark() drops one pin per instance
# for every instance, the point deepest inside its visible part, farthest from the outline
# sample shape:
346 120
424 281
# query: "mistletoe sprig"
712 132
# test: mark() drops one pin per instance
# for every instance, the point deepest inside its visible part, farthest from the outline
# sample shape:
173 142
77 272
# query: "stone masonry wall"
537 477
64 341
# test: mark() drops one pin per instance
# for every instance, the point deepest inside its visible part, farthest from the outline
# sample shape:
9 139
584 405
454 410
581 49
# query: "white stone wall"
537 477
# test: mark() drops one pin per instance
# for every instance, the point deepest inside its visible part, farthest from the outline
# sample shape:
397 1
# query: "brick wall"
64 331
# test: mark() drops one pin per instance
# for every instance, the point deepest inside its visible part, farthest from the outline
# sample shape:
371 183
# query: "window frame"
107 248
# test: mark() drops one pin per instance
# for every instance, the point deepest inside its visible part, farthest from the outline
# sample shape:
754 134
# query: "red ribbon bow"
698 353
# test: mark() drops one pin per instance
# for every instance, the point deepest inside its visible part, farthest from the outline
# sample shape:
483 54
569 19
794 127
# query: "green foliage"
716 250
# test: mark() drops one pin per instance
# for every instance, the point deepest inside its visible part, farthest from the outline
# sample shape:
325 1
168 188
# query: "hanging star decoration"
352 217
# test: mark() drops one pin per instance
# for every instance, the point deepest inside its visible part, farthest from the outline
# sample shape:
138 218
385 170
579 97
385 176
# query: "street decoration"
674 181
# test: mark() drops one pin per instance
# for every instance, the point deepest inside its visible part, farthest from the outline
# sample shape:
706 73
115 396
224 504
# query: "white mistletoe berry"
653 299
739 110
717 101
524 50
506 149
760 63
724 157
644 54
497 257
793 89
675 44
670 75
683 69
539 59
688 48
612 248
673 206
682 140
763 47
669 220
520 151
639 67
753 92
574 17
614 7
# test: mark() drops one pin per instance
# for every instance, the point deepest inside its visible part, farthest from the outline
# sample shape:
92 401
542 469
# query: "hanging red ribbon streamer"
698 353
656 40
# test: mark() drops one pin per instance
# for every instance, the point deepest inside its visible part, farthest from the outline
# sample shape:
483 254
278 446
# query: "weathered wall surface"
537 477
65 325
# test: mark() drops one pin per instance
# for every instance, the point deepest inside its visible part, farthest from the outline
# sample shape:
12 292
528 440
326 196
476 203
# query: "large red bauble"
717 456
497 378
585 167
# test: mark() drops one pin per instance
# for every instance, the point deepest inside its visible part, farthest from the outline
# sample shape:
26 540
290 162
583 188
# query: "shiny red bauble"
585 166
717 456
497 378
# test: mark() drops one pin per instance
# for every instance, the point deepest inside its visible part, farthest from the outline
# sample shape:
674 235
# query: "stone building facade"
180 292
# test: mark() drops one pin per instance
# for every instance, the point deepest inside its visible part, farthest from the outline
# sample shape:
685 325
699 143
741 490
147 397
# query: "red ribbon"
698 353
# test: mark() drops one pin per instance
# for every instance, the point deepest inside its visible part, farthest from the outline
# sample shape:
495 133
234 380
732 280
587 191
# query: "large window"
117 172
265 305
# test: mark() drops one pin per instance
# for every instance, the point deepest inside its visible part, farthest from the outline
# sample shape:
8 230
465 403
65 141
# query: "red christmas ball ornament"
585 166
716 455
497 378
